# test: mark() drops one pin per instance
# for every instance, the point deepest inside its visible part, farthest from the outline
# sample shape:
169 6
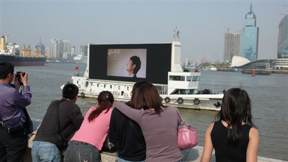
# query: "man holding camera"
13 136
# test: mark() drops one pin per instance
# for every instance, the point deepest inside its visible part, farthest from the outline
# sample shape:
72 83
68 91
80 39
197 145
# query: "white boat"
80 58
212 68
160 65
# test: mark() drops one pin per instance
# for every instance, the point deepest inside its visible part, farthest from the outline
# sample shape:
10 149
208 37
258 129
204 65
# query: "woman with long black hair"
88 140
234 136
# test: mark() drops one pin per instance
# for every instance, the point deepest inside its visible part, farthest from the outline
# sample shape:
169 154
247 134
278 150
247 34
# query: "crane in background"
6 37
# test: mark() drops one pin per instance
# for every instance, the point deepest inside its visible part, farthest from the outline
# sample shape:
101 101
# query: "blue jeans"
122 160
45 152
80 151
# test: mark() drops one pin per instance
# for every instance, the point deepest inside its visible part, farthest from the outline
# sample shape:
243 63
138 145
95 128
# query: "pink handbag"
187 135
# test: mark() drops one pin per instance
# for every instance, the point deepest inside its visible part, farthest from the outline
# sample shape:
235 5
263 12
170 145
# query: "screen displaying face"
130 62
127 63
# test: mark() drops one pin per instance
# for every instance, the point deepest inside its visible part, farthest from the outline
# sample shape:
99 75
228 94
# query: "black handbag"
61 142
108 146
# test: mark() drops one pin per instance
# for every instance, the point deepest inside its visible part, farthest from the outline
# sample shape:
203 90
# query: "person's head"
6 71
137 85
105 102
146 96
70 91
133 65
235 109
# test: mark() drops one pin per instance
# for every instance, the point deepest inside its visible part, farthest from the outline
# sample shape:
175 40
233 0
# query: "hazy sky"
201 23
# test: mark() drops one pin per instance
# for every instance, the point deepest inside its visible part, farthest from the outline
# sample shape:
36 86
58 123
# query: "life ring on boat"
196 101
79 86
167 100
180 100
82 94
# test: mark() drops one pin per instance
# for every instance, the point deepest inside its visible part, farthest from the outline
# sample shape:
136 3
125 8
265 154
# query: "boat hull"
23 61
256 72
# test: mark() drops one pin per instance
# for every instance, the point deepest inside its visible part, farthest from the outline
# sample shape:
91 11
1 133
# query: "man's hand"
16 83
24 78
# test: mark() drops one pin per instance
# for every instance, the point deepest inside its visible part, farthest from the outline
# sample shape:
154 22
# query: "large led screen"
127 62
130 62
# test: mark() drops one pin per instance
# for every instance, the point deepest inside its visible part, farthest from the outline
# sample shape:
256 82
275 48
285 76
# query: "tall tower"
249 37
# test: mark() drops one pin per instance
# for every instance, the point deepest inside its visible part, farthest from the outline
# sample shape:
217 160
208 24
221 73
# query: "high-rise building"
282 52
83 50
59 47
249 37
283 38
231 45
73 49
47 52
54 48
67 46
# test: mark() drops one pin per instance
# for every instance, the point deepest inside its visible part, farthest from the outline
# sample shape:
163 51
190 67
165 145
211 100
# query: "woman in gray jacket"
158 123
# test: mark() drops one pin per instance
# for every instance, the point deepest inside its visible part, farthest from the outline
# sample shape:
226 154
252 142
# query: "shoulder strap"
57 116
179 115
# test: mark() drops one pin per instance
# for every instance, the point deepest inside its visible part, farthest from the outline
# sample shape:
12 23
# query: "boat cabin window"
176 78
195 78
110 86
188 78
104 85
184 91
127 88
97 85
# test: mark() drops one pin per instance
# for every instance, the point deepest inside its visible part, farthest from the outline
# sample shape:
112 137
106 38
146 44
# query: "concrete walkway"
190 155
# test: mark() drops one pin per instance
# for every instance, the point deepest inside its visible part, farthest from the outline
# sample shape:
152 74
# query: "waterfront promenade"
190 155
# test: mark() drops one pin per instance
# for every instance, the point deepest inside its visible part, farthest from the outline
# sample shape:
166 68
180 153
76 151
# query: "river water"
269 95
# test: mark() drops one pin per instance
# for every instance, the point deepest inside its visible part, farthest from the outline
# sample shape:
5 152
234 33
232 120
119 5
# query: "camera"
18 76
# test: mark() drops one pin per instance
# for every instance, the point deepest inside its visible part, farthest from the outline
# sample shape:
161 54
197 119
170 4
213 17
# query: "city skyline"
201 23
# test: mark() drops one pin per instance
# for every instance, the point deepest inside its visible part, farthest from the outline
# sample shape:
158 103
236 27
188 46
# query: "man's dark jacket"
70 117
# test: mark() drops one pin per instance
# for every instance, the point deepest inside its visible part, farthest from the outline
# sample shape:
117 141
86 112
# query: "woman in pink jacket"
88 140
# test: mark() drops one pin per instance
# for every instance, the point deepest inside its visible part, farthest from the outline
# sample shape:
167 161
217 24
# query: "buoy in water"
253 72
